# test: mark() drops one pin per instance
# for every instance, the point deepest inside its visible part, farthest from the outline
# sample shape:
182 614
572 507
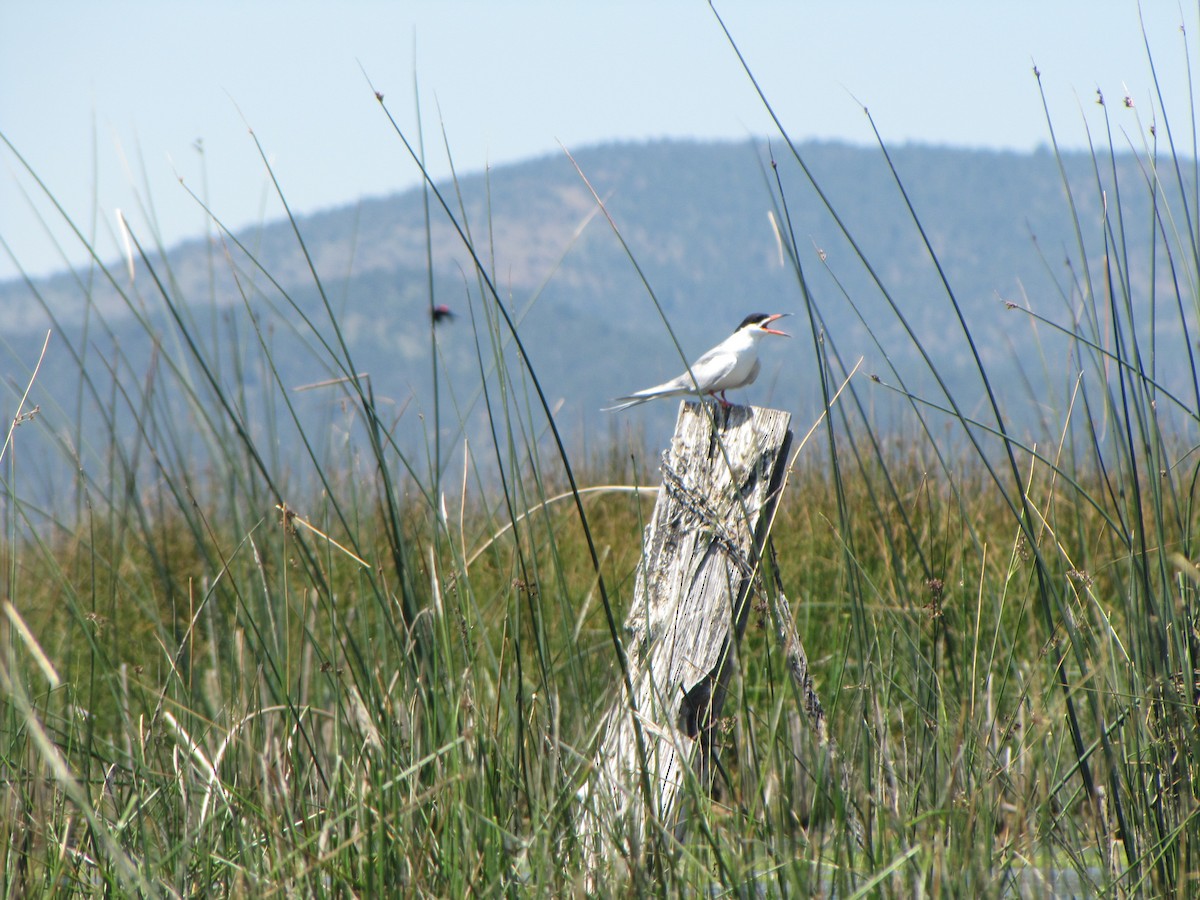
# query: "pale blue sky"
106 100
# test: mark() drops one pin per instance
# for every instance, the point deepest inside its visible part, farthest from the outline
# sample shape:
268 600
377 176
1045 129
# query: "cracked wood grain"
701 548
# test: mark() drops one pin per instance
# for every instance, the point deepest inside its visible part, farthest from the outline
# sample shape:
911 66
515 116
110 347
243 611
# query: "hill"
695 217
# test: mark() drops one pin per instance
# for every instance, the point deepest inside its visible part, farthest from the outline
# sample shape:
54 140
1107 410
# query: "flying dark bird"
441 313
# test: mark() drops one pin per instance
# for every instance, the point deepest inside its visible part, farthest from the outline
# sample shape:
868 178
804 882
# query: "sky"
128 104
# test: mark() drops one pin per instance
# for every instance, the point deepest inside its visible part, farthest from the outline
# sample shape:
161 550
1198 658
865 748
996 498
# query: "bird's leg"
725 404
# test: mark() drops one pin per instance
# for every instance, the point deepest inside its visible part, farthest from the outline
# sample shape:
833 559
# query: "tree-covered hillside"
697 221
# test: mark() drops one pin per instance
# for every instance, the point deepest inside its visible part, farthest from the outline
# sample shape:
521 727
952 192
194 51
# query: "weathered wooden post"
721 479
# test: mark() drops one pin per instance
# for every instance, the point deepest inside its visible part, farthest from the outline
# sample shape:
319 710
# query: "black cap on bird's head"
760 321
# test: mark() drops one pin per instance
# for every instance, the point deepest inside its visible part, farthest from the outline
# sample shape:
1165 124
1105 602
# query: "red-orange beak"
769 319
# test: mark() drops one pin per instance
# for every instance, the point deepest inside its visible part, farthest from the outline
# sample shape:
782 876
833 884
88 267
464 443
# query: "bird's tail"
640 397
620 403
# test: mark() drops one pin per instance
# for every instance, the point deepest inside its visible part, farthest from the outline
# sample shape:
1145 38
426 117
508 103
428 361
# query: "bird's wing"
709 369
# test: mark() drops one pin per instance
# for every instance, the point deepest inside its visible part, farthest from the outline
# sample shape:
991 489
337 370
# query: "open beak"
769 319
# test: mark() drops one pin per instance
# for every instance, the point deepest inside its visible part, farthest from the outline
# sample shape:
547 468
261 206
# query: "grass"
342 670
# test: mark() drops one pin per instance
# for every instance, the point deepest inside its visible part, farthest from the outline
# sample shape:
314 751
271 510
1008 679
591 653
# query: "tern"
731 364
